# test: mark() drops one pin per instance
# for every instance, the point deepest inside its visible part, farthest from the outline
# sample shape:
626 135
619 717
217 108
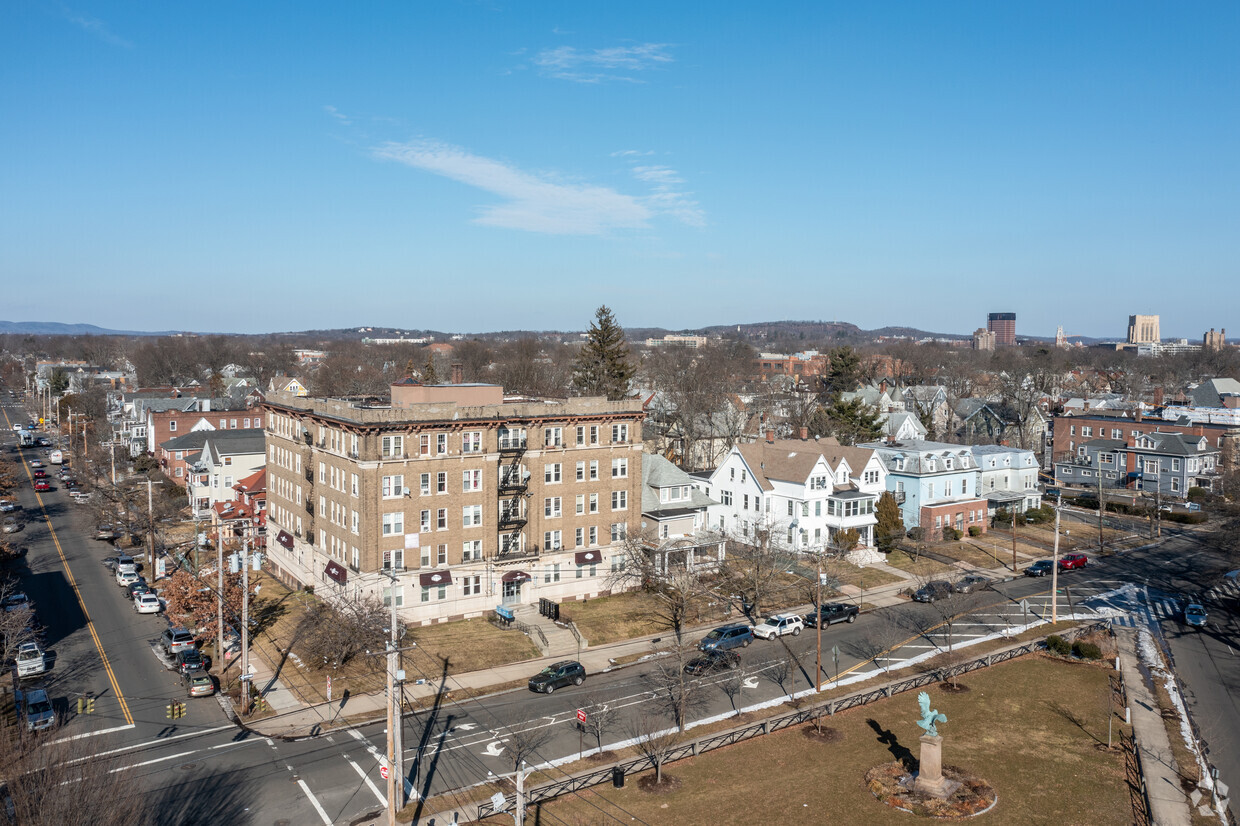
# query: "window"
425 486
587 570
593 434
593 503
930 490
441 555
947 488
441 519
964 487
551 540
471 480
471 585
437 592
732 474
232 423
354 484
424 444
871 477
551 473
393 559
180 472
1175 484
172 425
581 434
322 472
553 437
619 433
357 559
790 506
581 471
619 468
594 470
593 536
509 438
745 506
948 463
426 557
581 506
619 500
1072 430
393 523
471 441
471 551
551 573
472 516
619 531
551 507
1175 464
441 482
441 444
400 597
393 446
725 496
1086 431
393 486
581 537
426 522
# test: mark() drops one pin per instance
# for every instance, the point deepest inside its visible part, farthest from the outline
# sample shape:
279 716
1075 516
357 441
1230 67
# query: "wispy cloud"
338 115
542 202
96 27
666 194
598 65
631 153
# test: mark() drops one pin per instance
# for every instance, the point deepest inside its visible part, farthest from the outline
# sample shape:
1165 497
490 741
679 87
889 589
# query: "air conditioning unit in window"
408 492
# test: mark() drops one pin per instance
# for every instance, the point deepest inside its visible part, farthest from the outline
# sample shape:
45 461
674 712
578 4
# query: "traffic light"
175 710
90 705
168 710
81 703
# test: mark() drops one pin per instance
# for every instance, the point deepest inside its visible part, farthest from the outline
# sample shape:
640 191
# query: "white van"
56 457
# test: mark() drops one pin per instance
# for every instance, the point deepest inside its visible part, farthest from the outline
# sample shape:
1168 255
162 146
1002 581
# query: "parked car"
558 675
191 660
1069 562
778 625
30 660
1195 614
712 661
126 578
11 525
831 613
138 586
35 463
147 603
176 640
105 532
198 684
727 637
972 582
7 506
36 709
933 591
42 485
16 601
40 473
1040 568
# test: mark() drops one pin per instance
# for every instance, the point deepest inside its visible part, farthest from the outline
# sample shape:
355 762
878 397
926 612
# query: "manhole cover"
189 767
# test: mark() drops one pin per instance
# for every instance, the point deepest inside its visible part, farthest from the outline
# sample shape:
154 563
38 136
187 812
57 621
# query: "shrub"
952 535
916 534
975 530
1198 495
1058 645
1192 518
1086 651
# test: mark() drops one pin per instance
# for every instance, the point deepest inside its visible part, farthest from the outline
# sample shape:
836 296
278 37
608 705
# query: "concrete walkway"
1168 804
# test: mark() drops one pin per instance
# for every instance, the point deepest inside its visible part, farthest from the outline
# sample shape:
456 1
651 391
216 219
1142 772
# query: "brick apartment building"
468 500
1073 431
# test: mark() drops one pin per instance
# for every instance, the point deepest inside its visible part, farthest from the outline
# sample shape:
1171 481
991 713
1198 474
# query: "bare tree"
883 634
524 743
676 693
653 742
783 673
753 571
601 718
336 632
16 625
733 685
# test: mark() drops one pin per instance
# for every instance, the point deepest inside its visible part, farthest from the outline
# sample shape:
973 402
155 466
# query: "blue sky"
470 166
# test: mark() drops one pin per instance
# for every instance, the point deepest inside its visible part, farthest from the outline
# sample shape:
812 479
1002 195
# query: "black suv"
558 675
831 613
933 591
712 661
727 637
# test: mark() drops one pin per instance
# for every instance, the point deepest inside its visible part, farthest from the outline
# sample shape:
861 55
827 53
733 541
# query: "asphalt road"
203 769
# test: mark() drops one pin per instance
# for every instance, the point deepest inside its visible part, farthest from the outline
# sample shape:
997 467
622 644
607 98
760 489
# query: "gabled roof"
254 483
194 440
900 418
1211 392
787 460
235 442
1173 444
968 408
657 473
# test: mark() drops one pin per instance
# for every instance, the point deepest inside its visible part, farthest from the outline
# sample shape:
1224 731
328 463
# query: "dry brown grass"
849 574
921 566
1029 727
470 645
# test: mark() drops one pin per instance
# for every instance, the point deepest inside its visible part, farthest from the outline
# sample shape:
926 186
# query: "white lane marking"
94 733
366 779
750 682
465 726
494 749
152 743
314 801
357 735
238 744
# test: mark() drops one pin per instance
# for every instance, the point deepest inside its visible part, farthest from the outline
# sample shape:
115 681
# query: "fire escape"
513 486
309 468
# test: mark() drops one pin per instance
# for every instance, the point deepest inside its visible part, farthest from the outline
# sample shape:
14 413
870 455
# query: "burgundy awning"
588 557
515 576
286 539
435 578
336 572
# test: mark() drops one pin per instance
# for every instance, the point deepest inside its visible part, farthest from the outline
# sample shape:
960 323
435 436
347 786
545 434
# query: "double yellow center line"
77 593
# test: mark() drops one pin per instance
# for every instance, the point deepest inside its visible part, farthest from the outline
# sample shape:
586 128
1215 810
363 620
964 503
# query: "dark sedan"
971 583
711 662
558 675
1042 567
188 661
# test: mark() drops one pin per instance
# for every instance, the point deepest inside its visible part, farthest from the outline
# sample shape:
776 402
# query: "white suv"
778 625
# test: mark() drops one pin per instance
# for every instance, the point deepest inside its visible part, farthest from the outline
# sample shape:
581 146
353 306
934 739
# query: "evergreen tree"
890 528
429 376
604 365
853 421
843 370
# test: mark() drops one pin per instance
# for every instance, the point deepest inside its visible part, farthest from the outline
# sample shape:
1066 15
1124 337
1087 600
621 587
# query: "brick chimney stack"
770 436
1158 397
805 434
458 373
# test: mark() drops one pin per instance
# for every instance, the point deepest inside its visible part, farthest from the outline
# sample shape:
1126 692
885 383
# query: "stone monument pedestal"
930 780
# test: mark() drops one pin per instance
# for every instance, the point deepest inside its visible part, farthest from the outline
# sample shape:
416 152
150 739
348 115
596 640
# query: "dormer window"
930 465
947 463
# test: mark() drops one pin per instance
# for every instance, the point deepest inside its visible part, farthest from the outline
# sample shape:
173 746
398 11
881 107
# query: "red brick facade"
961 515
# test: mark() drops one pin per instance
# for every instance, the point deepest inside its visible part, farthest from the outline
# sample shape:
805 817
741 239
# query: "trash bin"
617 777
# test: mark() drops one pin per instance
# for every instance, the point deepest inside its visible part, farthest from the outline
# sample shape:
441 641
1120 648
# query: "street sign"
383 771
244 677
581 715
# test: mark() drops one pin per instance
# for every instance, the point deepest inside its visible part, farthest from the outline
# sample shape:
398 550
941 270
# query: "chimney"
891 408
770 436
805 434
1158 397
1138 415
458 373
1086 404
882 385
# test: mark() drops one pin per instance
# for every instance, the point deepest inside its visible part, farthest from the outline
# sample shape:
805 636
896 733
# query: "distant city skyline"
475 167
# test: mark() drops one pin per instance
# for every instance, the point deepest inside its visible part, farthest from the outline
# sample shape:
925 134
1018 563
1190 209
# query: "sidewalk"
305 721
1168 805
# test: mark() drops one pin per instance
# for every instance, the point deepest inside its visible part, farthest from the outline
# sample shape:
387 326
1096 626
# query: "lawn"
1035 728
921 566
978 551
471 645
609 619
848 574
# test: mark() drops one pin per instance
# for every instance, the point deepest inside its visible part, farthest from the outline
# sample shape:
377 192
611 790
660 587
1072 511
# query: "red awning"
435 578
336 572
515 576
286 539
588 557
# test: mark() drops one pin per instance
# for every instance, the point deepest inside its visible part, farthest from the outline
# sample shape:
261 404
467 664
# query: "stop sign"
383 771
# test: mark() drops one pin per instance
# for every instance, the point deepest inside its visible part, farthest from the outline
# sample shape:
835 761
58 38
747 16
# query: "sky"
476 166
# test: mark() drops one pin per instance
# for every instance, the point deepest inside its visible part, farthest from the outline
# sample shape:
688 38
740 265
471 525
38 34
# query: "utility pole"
114 461
245 622
396 761
1013 507
818 624
1055 569
219 603
519 811
150 515
1101 508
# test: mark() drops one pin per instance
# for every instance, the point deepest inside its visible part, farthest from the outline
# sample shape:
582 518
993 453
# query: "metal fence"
568 785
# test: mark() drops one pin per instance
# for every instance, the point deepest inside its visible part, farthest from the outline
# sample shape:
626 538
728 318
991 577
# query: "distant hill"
56 328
